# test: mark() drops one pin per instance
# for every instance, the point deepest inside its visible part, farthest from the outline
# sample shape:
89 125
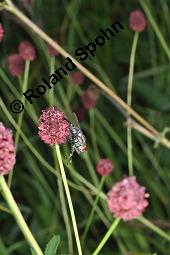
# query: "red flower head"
104 166
7 151
52 51
27 51
77 77
15 64
53 126
127 199
89 97
1 32
137 21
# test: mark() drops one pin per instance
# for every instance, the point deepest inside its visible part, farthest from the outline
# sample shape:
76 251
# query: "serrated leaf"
52 245
32 251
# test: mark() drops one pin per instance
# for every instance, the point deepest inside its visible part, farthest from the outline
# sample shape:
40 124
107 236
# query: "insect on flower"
77 138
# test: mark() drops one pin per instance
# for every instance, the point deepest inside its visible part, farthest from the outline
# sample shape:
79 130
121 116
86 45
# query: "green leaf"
52 245
33 252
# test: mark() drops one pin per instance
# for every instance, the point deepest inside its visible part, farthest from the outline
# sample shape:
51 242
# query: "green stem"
106 237
93 133
65 216
154 228
64 210
18 216
19 124
24 88
129 101
156 28
52 69
69 199
90 219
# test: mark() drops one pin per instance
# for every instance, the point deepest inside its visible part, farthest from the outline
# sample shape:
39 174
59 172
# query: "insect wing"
76 120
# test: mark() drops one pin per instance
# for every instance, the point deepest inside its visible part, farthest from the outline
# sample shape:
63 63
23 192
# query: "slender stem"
20 118
65 216
18 216
9 3
90 219
64 209
106 237
129 101
25 84
93 133
52 69
154 227
69 199
4 209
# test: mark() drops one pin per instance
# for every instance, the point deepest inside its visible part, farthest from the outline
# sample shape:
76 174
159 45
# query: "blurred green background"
37 191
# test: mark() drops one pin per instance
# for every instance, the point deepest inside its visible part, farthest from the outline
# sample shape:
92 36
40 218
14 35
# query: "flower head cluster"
53 126
15 64
7 152
137 21
89 97
26 51
1 32
104 167
127 199
77 77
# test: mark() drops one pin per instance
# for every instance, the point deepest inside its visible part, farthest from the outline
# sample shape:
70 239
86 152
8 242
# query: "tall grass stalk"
18 216
129 101
69 199
106 237
156 28
21 115
153 227
90 219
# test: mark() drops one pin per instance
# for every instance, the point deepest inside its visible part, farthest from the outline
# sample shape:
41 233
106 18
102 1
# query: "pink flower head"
52 51
53 126
1 32
127 199
15 64
89 97
77 77
7 151
104 167
137 21
27 51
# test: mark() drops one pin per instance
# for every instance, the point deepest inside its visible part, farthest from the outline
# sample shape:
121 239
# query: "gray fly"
77 138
